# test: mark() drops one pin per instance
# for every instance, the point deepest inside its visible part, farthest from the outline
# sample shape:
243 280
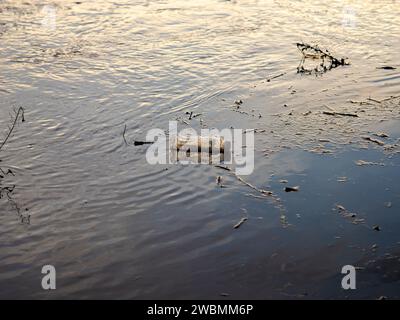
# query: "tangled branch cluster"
326 61
6 191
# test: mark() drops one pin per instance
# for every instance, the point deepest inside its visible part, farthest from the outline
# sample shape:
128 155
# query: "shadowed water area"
115 226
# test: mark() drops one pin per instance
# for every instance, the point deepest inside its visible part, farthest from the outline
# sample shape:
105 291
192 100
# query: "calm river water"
117 227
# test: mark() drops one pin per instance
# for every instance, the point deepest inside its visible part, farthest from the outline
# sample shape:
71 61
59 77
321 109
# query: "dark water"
116 227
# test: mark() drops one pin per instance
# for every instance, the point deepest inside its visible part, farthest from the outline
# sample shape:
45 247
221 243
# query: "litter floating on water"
195 143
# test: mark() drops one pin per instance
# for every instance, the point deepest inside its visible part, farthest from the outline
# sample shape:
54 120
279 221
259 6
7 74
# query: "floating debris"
325 62
374 100
381 135
8 190
238 103
292 189
379 142
255 130
376 228
223 167
243 220
219 182
386 68
343 114
199 143
349 215
274 77
140 143
19 114
368 163
284 221
193 115
135 142
254 196
340 208
262 191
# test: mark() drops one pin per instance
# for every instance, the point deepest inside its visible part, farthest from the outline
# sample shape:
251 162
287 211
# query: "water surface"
116 227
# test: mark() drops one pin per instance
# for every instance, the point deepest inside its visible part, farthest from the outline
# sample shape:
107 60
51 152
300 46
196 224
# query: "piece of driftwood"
343 114
379 142
386 68
292 189
237 225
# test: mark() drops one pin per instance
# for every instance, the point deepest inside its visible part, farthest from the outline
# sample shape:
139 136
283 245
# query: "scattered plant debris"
349 215
325 61
193 115
7 190
19 113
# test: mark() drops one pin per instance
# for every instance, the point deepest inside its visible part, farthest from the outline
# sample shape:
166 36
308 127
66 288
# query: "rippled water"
117 227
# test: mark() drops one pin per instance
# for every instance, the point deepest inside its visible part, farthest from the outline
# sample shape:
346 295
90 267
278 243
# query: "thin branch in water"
277 76
6 173
20 113
374 100
123 136
135 143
